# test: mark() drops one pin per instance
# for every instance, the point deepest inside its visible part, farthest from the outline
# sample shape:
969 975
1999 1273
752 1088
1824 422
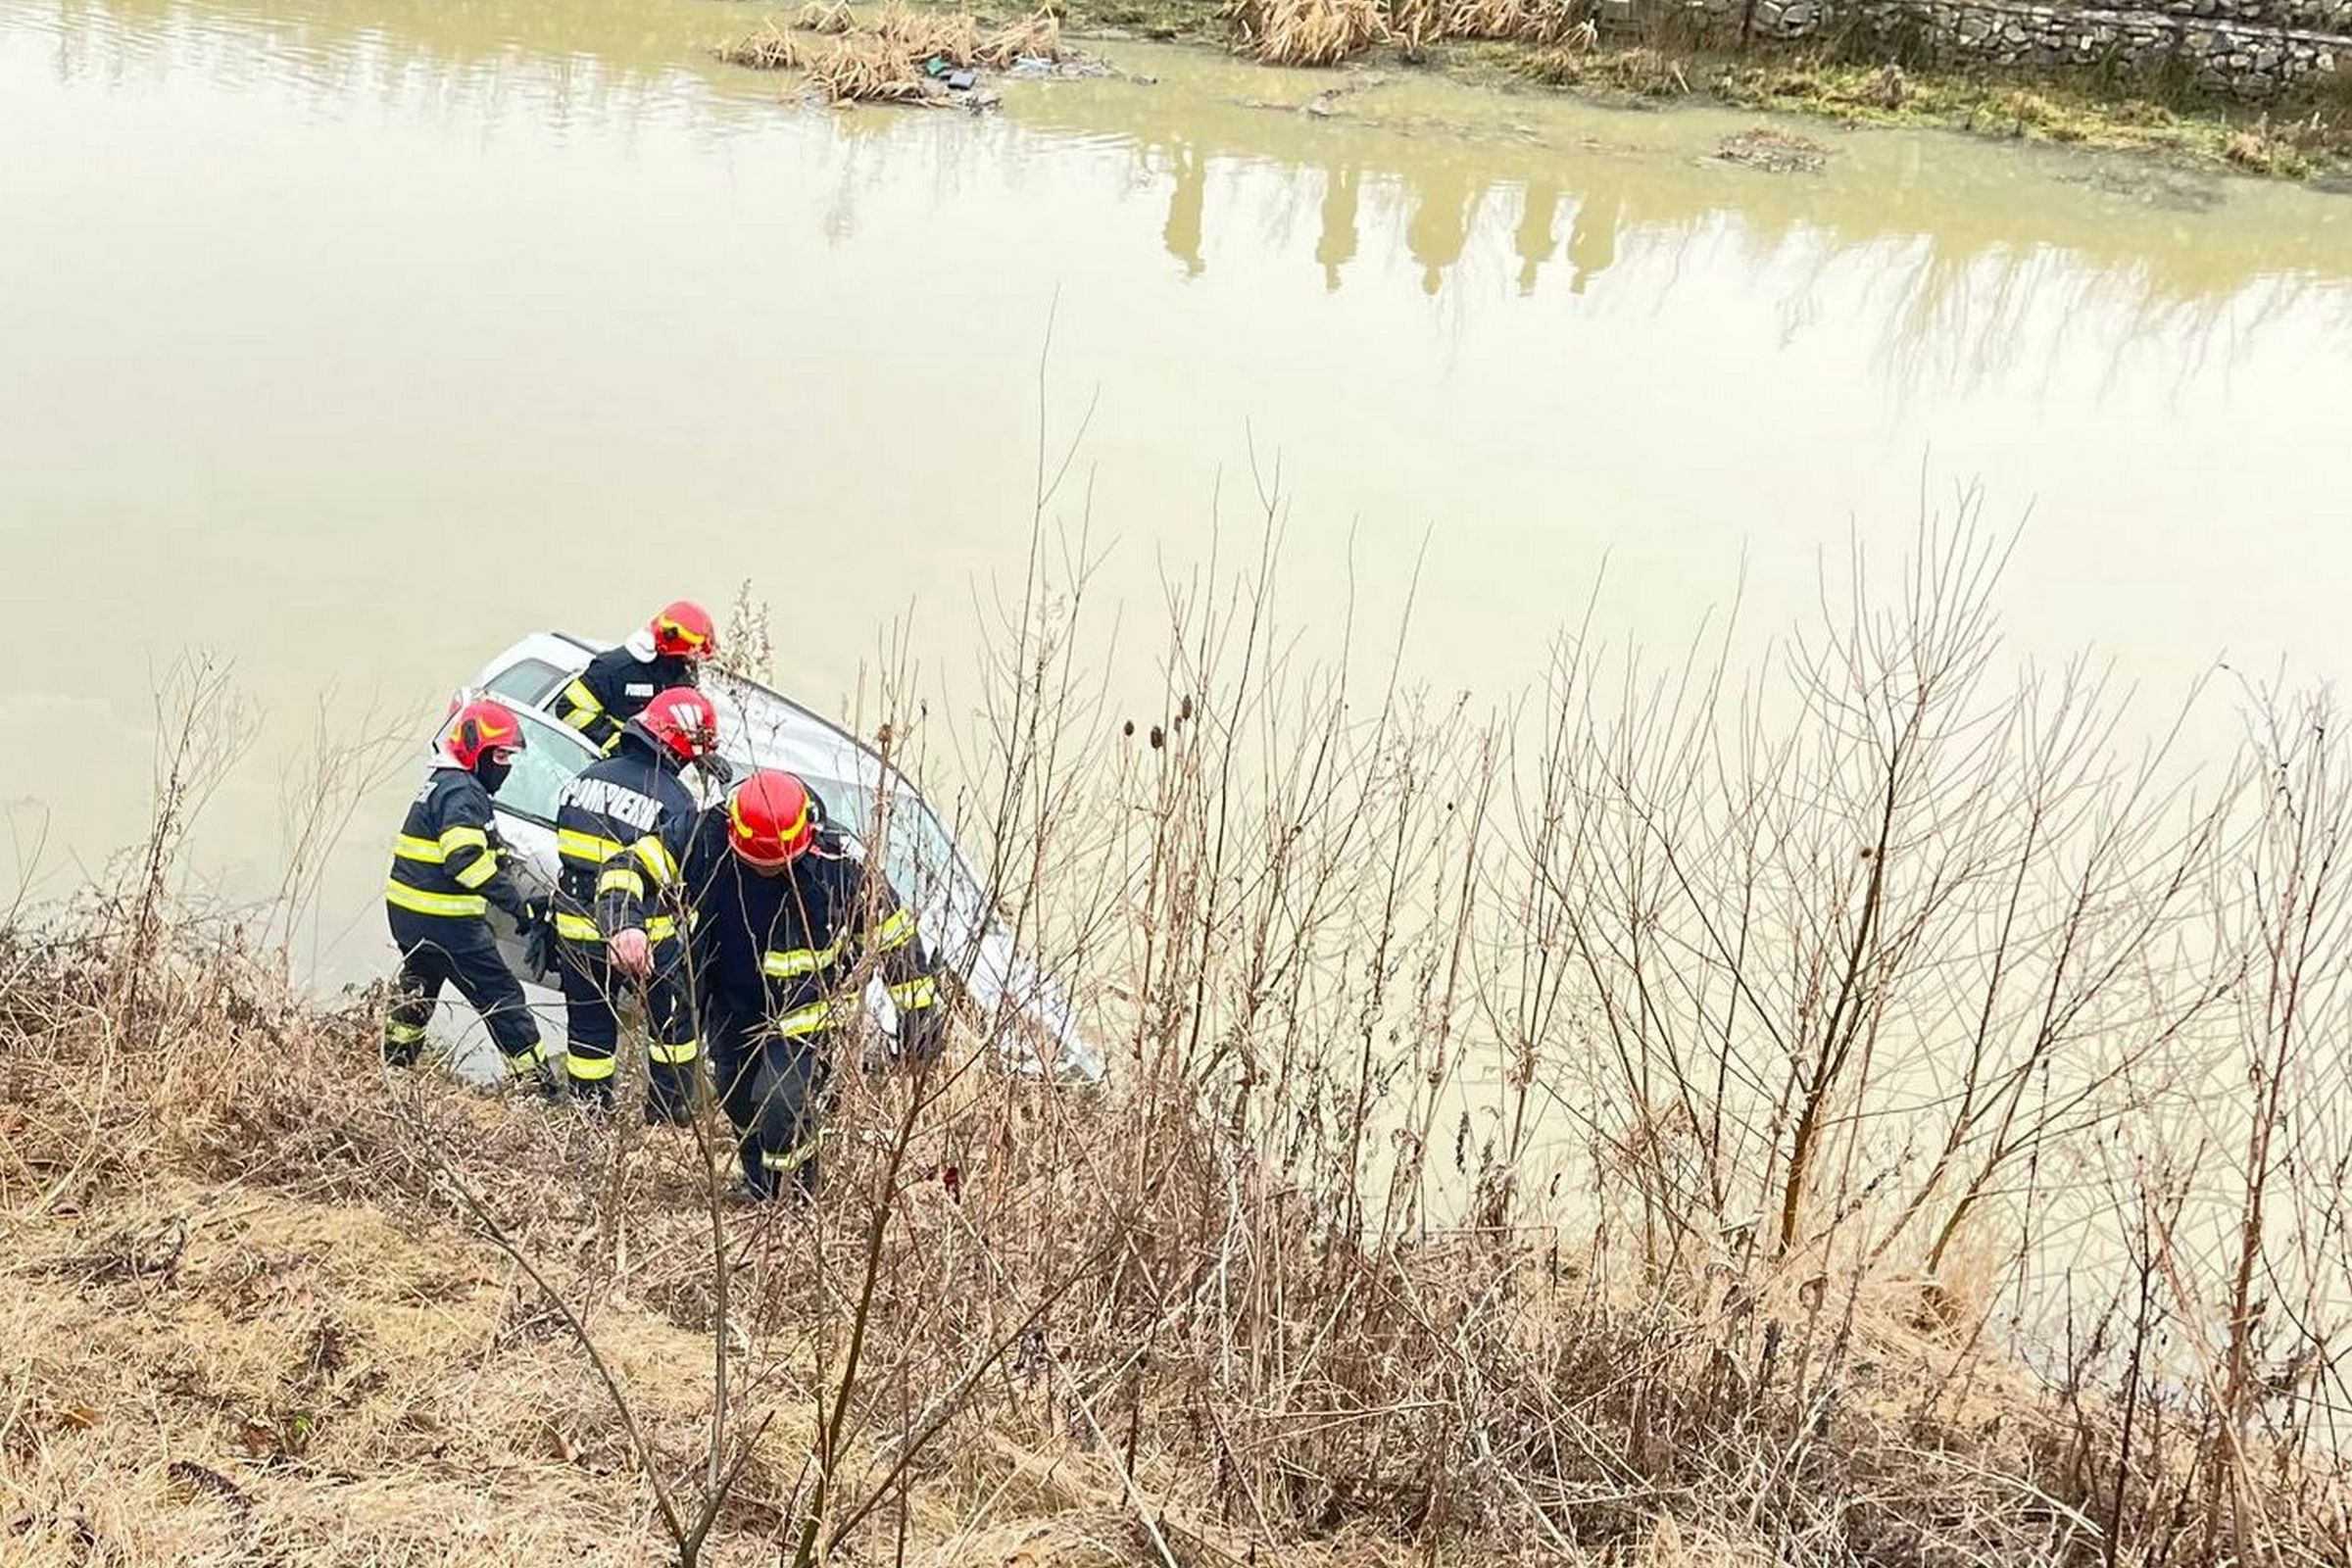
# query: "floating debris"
1775 152
904 55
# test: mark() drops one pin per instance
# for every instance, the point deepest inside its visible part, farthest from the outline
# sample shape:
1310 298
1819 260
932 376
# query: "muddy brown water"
350 341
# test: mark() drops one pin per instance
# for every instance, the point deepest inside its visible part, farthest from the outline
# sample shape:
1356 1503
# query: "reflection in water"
1335 245
1186 199
1593 235
1960 256
1538 234
1444 206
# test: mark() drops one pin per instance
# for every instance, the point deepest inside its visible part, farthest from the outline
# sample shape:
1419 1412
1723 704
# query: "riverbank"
1846 83
261 1297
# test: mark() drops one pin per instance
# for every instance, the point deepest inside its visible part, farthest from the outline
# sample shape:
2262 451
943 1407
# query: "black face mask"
492 773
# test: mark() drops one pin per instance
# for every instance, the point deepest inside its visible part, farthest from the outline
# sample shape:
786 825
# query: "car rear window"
529 681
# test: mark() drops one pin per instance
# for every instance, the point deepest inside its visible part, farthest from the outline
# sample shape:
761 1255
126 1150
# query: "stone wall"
2251 49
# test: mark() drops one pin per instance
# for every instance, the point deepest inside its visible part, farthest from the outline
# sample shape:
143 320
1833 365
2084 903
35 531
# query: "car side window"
553 755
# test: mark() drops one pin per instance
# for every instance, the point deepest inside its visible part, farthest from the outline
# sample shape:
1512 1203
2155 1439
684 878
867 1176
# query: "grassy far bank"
1503 44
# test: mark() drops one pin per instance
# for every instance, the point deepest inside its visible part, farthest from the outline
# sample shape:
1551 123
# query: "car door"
525 808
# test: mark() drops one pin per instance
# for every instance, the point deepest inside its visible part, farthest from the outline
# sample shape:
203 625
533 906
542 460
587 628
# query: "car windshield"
542 769
918 855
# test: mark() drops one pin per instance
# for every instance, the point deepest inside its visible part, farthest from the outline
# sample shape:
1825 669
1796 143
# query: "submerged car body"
763 728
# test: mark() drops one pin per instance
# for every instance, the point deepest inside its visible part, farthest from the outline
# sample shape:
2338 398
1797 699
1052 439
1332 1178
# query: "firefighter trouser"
455 950
593 992
774 1089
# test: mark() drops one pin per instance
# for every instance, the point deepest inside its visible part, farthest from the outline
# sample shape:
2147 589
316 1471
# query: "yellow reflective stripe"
402 1033
656 858
785 963
584 704
480 869
895 932
912 993
527 1061
620 879
805 1020
589 1069
673 1055
457 838
423 903
580 928
593 849
789 1160
409 847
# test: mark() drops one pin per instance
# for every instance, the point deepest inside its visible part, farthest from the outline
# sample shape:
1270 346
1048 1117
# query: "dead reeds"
1036 36
864 67
1541 23
900 56
771 48
1307 32
827 17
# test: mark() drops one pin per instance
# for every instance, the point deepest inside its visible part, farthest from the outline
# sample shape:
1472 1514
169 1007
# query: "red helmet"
684 629
769 818
682 722
481 728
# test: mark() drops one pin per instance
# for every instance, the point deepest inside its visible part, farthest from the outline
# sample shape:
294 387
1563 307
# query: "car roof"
759 727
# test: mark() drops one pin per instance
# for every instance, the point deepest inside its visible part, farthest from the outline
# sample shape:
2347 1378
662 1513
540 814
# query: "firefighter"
621 826
790 922
664 654
446 875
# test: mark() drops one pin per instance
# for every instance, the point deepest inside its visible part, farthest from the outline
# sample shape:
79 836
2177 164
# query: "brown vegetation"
1307 32
892 59
1641 1133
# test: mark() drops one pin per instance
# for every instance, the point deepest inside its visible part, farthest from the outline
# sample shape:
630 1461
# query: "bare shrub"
1640 1124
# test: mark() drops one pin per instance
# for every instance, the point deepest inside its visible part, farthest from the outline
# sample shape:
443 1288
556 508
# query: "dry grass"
1302 1284
1543 23
1036 36
895 58
1309 32
1644 71
247 1306
831 18
917 35
771 48
863 68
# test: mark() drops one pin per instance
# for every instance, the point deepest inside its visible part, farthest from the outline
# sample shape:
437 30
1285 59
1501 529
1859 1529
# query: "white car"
761 728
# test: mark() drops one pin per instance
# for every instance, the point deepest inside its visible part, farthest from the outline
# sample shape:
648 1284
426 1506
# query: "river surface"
350 341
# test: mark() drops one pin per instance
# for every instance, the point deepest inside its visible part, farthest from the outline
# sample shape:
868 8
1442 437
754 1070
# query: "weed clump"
863 68
1641 72
1036 36
771 48
1307 32
830 20
898 57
